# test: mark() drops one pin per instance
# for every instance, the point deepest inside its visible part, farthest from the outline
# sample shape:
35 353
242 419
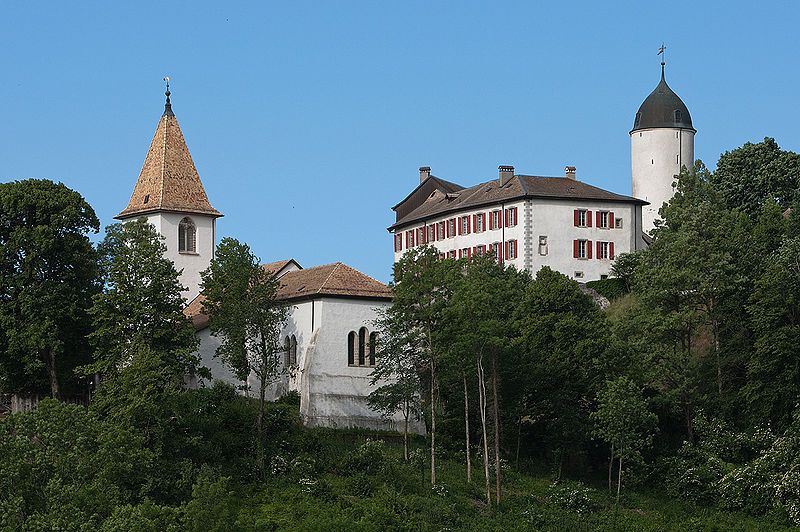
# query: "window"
146 198
464 229
603 277
420 236
409 239
451 228
511 217
511 249
582 249
677 115
480 250
542 245
293 351
441 233
497 250
398 242
602 250
187 236
351 348
618 223
583 218
579 275
602 219
480 223
373 347
464 253
287 347
494 220
362 345
431 233
451 254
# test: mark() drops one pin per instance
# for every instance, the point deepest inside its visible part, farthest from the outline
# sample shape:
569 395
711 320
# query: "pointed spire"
168 105
169 180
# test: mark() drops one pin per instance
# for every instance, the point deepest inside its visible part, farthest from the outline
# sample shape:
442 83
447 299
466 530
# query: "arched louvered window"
677 115
187 236
351 348
362 346
293 351
373 347
287 346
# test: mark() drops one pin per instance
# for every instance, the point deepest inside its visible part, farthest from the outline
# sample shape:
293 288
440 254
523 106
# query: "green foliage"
609 288
622 418
48 275
64 468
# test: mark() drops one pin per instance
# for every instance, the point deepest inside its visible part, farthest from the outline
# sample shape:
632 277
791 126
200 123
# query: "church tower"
662 141
170 195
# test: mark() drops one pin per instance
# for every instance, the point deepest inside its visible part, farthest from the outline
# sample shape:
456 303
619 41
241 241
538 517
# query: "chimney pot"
570 172
506 173
424 173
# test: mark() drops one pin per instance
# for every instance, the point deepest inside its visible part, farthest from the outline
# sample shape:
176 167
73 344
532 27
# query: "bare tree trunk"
482 406
715 329
433 423
519 439
466 429
619 479
52 374
496 415
610 467
406 413
687 411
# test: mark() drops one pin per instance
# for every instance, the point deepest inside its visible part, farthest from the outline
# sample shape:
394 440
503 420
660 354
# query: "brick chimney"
506 173
570 172
424 173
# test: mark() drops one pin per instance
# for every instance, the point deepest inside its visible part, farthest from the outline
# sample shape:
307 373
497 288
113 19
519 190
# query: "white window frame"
604 248
603 222
479 223
451 225
543 245
583 249
494 219
583 216
442 230
465 225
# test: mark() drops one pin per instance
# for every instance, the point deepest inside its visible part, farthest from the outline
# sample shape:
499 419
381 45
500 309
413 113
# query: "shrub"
609 288
572 496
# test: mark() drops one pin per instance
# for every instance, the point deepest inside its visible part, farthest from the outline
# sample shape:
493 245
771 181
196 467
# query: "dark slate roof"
421 193
658 109
518 187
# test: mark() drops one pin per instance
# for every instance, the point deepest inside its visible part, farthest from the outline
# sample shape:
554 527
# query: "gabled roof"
169 180
438 183
330 280
421 193
518 187
278 267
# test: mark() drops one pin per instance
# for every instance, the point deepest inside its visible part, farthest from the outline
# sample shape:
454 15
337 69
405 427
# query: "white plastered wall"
657 156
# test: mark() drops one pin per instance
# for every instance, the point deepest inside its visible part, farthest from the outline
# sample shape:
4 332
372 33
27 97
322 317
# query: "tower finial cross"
662 51
168 104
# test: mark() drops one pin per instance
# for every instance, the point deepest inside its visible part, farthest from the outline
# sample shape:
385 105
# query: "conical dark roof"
663 108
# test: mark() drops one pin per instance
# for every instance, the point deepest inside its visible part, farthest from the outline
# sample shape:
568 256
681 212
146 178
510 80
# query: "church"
526 221
531 221
329 338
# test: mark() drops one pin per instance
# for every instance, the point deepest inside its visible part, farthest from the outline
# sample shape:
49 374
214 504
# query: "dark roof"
518 187
331 280
659 109
421 193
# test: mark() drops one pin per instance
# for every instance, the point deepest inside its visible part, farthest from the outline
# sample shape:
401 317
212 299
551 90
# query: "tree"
423 284
141 308
753 174
48 275
243 310
395 375
623 421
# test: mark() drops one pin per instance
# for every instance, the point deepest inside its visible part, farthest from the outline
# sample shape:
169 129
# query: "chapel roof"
518 187
331 280
659 109
168 180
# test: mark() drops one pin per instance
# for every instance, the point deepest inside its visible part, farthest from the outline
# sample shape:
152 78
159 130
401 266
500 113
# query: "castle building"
662 142
329 340
526 221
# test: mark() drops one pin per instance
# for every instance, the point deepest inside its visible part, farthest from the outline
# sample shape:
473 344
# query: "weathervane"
168 104
663 53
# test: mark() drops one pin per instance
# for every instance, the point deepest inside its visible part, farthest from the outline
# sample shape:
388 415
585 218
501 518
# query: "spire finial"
168 104
663 53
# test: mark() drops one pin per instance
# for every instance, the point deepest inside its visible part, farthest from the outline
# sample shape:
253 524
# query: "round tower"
662 142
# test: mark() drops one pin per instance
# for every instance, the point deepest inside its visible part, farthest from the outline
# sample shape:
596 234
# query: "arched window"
351 348
187 236
677 115
362 345
373 347
293 351
287 346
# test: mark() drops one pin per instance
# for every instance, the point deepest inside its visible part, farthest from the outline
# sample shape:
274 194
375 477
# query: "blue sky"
308 120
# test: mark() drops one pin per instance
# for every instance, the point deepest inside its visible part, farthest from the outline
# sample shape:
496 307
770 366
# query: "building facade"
662 142
525 221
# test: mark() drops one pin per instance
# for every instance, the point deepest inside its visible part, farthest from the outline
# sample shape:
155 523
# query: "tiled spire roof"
168 180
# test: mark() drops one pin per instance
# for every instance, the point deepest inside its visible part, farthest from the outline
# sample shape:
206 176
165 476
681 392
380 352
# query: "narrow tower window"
187 236
677 115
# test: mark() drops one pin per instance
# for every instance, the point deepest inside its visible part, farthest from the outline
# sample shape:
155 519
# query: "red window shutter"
447 228
576 217
589 249
611 220
575 248
598 218
588 218
489 215
483 216
469 224
505 218
474 222
611 250
599 251
459 253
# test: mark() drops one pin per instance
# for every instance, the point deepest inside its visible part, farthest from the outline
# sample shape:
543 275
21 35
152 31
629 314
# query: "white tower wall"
657 156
